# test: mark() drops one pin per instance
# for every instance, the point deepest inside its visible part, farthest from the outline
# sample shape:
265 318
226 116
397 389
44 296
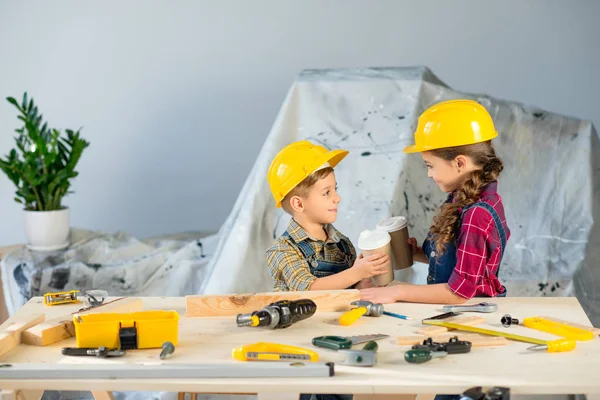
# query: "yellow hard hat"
452 123
297 161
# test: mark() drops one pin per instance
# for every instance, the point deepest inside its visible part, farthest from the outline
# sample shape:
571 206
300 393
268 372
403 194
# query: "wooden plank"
101 395
436 330
29 394
476 340
62 328
596 331
6 394
233 304
11 337
207 340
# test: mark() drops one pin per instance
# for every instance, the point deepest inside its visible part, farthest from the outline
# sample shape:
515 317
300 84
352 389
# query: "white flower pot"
47 230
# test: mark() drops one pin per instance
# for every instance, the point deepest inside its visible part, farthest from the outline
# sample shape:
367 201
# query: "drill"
279 315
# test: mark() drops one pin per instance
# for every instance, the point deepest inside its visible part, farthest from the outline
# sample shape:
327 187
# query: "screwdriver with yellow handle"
551 346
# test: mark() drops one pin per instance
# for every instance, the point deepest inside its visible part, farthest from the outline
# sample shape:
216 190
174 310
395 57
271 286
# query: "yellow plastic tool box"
138 330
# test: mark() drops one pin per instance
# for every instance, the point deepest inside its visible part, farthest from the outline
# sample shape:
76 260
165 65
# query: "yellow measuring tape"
552 345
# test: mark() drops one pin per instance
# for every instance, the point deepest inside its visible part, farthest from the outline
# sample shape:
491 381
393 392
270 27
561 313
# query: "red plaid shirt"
479 249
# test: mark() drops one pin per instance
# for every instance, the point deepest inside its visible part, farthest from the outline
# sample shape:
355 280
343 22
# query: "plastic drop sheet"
550 188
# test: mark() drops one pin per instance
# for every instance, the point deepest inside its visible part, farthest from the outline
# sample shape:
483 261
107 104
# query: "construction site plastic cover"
550 188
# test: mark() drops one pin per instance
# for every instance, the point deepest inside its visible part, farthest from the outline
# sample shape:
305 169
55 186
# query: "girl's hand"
417 252
383 295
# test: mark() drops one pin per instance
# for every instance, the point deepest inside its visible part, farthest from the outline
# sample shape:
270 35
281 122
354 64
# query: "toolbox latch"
128 338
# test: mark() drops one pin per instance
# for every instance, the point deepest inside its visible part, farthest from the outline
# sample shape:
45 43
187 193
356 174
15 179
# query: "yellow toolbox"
138 330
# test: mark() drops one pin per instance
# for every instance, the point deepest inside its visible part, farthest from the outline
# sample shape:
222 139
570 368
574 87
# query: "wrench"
480 307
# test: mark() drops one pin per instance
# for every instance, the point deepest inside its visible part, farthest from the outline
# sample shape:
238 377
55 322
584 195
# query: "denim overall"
441 268
321 269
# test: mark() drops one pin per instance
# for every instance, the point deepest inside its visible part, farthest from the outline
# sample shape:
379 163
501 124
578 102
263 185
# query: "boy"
311 254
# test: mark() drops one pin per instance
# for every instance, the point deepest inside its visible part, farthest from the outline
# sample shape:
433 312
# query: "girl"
468 236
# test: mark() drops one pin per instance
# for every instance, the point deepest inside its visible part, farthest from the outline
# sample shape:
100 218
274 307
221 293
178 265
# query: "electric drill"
279 315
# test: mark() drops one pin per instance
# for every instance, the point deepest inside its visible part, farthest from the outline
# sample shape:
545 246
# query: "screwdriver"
419 356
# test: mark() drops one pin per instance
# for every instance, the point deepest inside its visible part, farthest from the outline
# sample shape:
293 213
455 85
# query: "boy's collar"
299 234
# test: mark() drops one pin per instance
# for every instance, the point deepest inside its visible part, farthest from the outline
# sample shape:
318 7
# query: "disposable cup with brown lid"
377 242
397 227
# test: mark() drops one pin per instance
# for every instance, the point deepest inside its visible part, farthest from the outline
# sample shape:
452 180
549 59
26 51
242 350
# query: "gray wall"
178 97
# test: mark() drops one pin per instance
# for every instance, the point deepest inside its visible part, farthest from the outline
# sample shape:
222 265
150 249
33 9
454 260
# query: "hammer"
362 308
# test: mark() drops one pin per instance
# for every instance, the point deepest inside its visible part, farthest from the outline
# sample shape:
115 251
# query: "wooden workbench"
212 339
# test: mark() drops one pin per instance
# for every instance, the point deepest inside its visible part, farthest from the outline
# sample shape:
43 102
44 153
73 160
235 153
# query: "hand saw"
264 351
558 329
552 346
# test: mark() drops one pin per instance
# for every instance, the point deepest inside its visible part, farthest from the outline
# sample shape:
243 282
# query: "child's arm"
437 294
363 268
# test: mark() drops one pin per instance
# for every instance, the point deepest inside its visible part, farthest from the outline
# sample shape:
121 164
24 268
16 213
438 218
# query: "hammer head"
373 309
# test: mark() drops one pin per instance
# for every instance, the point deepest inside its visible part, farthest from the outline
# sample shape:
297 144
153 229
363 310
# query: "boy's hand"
375 264
417 252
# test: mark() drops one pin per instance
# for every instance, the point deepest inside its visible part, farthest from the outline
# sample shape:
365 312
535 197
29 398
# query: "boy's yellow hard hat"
297 161
452 123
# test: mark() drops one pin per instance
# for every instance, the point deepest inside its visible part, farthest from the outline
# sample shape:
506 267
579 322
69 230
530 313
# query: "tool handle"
371 346
560 345
74 351
352 316
332 342
480 307
418 356
271 352
558 329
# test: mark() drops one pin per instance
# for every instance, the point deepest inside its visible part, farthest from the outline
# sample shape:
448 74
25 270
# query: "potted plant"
42 167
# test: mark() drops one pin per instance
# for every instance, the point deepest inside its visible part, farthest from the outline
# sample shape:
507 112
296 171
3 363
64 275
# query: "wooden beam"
101 395
476 340
233 304
11 337
62 328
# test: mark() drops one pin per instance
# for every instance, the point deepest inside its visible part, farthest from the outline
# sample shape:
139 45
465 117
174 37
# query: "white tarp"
549 186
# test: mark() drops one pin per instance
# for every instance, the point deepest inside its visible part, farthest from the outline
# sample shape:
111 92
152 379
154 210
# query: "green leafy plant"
43 163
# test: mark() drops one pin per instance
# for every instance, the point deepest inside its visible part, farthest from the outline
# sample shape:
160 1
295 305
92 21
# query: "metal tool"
553 346
445 315
452 346
496 393
55 298
167 349
366 357
391 314
264 351
507 321
480 307
279 315
118 371
101 352
362 308
558 329
344 342
421 353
